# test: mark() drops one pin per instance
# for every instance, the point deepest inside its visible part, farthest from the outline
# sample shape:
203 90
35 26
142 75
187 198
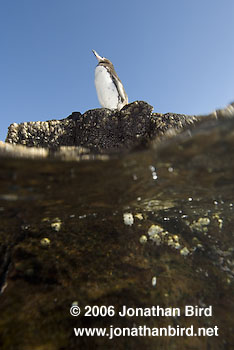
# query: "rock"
100 132
105 131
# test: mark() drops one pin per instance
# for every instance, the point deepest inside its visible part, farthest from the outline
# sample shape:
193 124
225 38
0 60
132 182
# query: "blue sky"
178 55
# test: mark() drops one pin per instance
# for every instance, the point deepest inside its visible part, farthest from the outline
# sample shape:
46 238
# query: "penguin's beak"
99 58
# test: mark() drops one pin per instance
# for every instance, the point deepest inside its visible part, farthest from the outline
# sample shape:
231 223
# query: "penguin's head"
102 60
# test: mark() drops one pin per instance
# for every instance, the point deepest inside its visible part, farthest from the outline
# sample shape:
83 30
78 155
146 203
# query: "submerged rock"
147 228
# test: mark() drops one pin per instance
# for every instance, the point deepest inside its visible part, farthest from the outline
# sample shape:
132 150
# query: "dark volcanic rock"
100 130
108 131
105 131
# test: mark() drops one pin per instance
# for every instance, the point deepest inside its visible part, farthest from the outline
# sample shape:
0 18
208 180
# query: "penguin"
110 90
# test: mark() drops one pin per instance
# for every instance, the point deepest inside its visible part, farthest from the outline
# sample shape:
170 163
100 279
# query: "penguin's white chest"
107 92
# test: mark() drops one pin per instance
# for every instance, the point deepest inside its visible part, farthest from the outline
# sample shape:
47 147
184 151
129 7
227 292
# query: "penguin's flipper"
120 89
